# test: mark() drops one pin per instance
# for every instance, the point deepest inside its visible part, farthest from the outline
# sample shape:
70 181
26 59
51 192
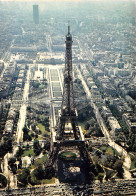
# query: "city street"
22 113
67 97
121 151
19 135
12 179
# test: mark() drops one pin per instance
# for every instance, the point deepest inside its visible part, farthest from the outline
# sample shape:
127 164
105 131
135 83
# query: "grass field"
40 138
109 150
27 152
57 94
42 128
133 161
54 78
55 84
48 181
67 155
56 88
42 160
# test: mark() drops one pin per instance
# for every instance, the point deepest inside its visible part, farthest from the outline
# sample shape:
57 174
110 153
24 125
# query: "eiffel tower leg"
53 155
87 162
75 130
61 127
85 155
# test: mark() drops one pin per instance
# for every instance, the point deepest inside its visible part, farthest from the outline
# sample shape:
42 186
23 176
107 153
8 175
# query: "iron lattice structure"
68 114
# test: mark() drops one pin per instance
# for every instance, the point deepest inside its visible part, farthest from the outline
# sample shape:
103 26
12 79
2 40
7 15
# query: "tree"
47 145
91 176
19 153
100 177
0 167
99 168
118 167
47 124
24 176
12 161
28 108
37 148
39 173
49 172
12 165
26 136
20 164
98 153
8 142
6 145
77 80
36 84
87 125
3 181
98 132
80 117
46 119
33 127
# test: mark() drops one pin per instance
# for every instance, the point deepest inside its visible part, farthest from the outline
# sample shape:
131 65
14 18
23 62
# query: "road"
49 42
5 66
19 135
21 123
22 113
121 187
121 151
12 179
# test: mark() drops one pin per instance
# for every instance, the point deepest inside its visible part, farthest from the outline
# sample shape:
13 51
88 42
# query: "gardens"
110 160
67 156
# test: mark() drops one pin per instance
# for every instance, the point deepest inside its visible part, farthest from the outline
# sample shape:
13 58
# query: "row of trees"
94 171
3 181
6 145
35 176
26 136
12 165
36 147
3 118
85 113
109 160
93 129
131 138
37 117
131 142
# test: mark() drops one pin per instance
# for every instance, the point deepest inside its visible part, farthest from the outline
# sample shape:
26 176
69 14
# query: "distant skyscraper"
36 14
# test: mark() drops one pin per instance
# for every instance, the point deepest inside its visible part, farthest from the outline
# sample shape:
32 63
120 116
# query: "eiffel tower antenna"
68 27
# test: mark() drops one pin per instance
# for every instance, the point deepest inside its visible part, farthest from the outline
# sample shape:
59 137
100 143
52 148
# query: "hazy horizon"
66 1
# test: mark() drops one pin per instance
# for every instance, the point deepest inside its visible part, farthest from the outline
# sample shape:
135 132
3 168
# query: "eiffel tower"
68 133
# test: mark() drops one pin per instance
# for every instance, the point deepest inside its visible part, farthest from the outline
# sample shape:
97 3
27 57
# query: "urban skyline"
68 98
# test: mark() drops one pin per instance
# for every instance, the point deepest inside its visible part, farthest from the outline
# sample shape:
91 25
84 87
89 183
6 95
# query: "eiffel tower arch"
68 134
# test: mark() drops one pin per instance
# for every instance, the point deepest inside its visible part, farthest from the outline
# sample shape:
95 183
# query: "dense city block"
68 98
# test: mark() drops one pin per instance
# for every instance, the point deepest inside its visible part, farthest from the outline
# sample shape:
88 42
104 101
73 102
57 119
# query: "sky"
65 0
